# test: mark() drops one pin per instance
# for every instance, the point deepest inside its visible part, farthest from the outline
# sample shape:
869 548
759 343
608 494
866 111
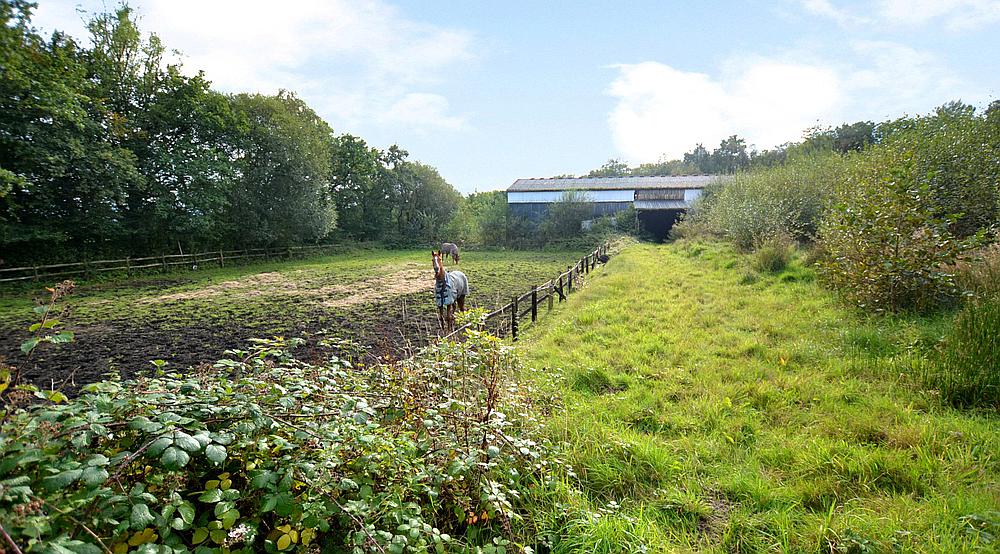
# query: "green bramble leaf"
61 480
159 445
94 475
216 453
186 441
141 516
29 345
174 458
200 534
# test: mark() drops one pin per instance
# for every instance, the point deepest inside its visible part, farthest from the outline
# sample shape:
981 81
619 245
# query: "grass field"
706 407
377 298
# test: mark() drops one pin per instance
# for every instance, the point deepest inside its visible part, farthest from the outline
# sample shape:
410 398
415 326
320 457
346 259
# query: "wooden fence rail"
559 288
163 262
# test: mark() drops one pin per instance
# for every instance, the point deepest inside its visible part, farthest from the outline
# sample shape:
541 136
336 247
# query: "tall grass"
969 371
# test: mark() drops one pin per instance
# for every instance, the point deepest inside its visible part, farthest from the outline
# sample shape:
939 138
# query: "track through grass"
710 408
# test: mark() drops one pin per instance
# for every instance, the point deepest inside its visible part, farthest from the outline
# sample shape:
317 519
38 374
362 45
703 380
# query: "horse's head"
438 266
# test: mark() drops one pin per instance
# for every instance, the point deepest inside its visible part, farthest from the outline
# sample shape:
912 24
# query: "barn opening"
658 223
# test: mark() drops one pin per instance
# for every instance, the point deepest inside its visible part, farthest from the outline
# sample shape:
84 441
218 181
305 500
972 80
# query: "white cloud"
665 111
826 8
351 60
421 108
955 15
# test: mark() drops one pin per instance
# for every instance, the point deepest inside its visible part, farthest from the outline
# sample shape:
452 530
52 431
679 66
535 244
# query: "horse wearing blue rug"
450 290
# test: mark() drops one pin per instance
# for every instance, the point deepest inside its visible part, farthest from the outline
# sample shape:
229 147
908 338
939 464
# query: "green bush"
958 158
265 453
755 205
887 249
969 370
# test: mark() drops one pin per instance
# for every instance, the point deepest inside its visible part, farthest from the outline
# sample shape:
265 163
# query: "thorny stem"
78 522
10 541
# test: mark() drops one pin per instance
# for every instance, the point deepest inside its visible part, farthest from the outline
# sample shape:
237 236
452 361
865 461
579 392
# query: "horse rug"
455 284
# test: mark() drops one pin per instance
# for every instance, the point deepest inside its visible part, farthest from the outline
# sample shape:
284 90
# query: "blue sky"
488 92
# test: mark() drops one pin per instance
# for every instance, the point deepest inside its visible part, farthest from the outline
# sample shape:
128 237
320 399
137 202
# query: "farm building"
658 201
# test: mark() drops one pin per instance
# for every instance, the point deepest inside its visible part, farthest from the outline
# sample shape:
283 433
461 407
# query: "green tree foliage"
109 150
612 168
566 216
64 174
283 193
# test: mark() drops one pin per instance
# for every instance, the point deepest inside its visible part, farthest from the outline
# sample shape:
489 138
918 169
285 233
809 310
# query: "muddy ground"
192 319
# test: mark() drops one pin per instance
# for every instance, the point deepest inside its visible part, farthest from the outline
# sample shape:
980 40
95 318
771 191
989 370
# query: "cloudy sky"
492 91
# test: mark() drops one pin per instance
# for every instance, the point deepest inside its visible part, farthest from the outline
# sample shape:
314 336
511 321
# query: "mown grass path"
706 408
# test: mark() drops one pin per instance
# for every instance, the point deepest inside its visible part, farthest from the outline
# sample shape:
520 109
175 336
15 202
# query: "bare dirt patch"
261 283
380 288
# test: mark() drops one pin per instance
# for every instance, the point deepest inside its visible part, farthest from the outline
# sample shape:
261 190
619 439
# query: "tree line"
108 149
733 154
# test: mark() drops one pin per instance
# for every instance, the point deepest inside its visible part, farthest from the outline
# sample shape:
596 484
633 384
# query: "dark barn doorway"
658 222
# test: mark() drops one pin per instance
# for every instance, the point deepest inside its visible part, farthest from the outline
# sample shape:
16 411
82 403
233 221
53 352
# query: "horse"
449 248
450 290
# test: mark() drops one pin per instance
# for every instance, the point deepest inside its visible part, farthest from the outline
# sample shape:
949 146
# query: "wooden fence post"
534 303
562 293
128 266
569 280
513 318
222 259
552 293
163 260
34 271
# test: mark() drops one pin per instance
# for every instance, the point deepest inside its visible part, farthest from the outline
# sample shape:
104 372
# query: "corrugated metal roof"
613 183
660 205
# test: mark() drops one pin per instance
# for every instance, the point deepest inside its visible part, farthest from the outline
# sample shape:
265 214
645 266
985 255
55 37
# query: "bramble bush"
262 452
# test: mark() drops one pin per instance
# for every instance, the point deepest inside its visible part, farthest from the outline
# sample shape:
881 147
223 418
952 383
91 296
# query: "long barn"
658 200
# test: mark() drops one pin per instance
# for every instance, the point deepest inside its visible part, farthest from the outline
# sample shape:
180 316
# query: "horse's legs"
441 316
451 318
461 303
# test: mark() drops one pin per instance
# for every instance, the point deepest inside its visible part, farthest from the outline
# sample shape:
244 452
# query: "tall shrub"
757 205
887 247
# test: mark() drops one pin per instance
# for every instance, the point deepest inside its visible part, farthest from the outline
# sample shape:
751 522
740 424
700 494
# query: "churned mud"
121 327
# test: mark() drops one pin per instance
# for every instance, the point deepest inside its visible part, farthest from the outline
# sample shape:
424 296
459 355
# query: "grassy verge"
710 408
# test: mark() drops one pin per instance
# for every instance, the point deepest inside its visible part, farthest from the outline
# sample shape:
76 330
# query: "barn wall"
555 196
538 210
690 195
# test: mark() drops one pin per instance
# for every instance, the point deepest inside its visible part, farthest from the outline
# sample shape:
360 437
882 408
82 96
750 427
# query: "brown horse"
450 290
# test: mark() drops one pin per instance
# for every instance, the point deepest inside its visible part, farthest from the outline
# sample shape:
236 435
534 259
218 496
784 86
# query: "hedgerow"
261 452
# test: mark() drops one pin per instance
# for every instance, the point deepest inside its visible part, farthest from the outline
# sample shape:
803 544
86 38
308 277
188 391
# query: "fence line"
164 262
560 287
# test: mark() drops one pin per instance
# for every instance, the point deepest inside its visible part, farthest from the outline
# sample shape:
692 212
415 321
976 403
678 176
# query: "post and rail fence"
163 262
509 316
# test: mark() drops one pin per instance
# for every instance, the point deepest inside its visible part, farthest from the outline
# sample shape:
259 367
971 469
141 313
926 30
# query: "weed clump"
596 381
968 373
773 254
